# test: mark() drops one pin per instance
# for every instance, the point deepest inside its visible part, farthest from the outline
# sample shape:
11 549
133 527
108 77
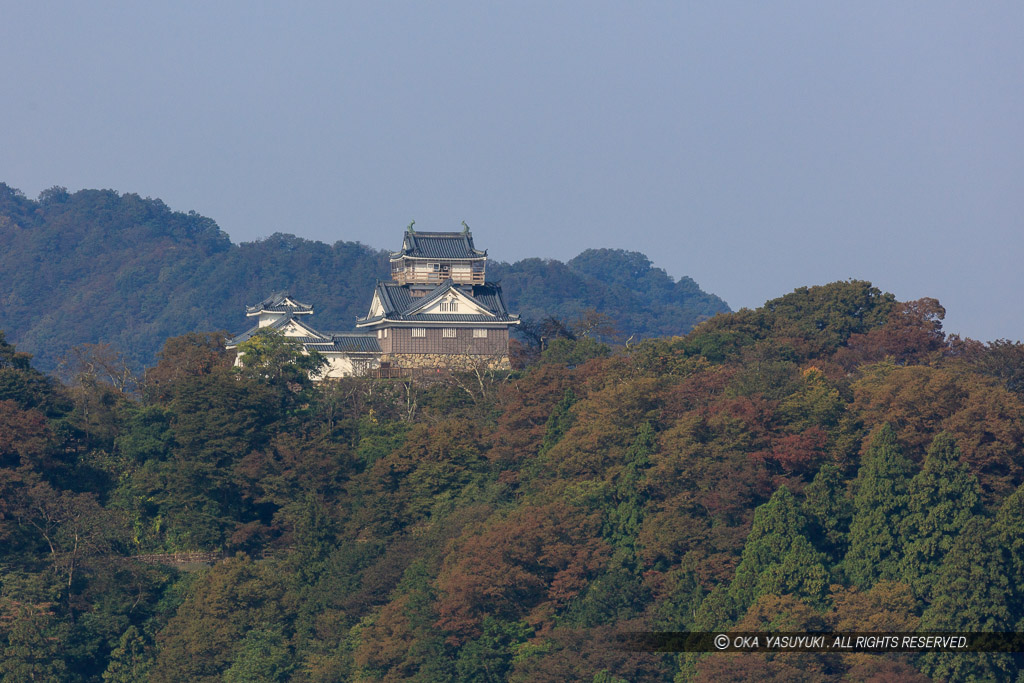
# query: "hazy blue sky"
755 147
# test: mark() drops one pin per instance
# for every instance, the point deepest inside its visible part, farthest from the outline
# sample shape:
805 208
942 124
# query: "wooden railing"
407 373
406 277
389 373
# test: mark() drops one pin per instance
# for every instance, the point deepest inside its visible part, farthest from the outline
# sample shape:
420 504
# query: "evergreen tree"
488 658
778 558
263 658
879 508
31 647
131 660
828 511
560 421
1009 529
943 497
970 594
625 518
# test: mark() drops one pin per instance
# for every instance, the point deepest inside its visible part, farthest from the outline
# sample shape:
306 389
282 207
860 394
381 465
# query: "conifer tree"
262 656
559 422
879 508
970 595
943 497
828 511
1009 529
777 558
131 660
625 518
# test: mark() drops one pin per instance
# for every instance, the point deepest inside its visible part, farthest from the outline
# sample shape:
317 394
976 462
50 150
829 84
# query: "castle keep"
437 311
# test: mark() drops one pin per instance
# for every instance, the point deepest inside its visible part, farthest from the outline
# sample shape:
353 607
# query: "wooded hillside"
831 460
97 266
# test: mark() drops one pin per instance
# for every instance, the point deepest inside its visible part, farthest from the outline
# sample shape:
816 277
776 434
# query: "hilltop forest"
829 461
97 266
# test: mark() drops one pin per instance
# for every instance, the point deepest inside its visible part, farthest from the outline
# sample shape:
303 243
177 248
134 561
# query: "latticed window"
480 334
419 332
448 332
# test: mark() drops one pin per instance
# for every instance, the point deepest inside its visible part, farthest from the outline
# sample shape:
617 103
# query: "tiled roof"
343 342
278 324
352 342
400 305
278 303
440 245
248 334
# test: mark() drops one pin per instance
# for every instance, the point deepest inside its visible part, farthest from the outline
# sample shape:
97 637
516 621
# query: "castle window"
480 334
448 332
453 305
419 332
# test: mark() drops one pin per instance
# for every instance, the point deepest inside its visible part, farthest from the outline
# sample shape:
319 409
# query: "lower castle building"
438 311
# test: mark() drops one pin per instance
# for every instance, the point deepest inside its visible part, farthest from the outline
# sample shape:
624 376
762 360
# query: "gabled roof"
400 305
439 245
343 342
279 302
278 324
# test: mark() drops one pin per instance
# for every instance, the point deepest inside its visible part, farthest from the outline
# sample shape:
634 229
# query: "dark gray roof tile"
440 245
399 304
276 303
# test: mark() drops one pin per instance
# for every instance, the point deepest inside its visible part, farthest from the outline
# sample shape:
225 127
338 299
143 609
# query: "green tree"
970 594
131 660
879 508
629 494
201 641
31 644
943 497
559 422
828 511
1009 529
488 658
778 558
271 356
264 657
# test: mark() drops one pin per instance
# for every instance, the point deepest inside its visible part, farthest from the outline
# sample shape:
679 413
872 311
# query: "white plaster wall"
269 318
342 365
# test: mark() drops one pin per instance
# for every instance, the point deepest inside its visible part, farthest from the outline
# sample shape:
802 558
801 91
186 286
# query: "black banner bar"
722 641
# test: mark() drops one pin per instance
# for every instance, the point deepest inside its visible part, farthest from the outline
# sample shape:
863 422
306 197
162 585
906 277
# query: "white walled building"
438 311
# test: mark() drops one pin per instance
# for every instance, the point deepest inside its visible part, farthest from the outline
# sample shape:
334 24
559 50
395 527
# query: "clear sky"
756 147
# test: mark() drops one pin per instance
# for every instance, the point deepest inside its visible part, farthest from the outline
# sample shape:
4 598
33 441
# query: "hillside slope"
829 461
98 266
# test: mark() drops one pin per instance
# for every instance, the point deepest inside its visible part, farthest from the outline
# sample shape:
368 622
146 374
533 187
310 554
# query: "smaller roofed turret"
275 307
433 257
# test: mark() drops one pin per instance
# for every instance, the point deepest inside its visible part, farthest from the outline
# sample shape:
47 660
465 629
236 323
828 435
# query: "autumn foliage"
830 461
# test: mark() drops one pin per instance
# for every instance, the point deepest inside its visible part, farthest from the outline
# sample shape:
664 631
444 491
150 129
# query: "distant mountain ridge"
100 266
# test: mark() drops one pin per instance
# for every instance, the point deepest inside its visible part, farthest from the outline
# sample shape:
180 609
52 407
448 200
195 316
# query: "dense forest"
98 266
829 461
